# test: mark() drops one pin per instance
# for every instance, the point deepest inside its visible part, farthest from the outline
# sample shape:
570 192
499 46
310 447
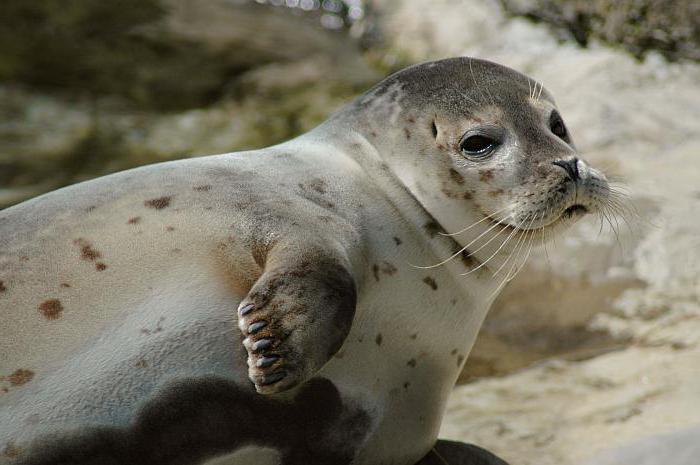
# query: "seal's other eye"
477 145
556 125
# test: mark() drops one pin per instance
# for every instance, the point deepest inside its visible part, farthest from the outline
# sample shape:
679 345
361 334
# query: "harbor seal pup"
299 304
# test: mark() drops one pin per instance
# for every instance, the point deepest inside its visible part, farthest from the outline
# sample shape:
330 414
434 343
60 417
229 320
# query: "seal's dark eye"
556 125
477 145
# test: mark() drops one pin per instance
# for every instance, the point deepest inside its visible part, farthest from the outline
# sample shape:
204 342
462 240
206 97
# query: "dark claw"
265 362
262 344
246 309
257 326
273 378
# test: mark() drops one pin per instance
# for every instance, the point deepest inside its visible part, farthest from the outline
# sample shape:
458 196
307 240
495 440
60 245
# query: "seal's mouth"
574 210
571 212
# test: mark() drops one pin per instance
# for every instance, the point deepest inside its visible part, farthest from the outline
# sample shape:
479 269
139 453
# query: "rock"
679 448
638 26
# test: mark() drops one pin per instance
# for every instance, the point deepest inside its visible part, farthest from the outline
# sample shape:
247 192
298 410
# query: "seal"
303 303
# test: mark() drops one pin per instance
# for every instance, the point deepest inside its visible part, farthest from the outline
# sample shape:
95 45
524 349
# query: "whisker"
617 237
456 254
494 254
515 265
527 256
544 243
517 246
516 250
486 217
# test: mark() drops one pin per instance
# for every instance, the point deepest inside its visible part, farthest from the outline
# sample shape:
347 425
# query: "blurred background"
595 344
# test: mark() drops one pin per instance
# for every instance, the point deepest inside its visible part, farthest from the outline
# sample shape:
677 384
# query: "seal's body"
266 307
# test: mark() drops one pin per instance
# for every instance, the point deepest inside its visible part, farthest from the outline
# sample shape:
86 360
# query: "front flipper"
297 314
459 453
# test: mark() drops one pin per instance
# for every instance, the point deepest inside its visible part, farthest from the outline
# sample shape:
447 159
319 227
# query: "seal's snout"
570 166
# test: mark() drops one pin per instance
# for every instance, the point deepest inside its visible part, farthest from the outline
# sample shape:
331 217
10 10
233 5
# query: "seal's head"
481 146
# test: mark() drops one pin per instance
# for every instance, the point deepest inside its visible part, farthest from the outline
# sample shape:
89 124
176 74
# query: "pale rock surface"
624 310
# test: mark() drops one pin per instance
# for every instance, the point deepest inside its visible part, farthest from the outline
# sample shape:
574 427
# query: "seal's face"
493 156
519 166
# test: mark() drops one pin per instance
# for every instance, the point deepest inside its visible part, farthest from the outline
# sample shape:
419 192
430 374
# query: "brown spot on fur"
430 282
317 184
456 176
205 188
51 309
411 363
388 268
2 286
413 336
407 132
432 228
454 352
11 450
141 363
99 266
23 258
411 119
20 377
496 193
448 193
455 194
134 220
375 272
460 359
373 134
176 250
86 250
169 228
159 203
485 175
378 339
467 259
90 208
65 285
397 240
441 147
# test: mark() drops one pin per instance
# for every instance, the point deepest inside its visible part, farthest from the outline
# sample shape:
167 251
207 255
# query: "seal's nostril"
570 166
